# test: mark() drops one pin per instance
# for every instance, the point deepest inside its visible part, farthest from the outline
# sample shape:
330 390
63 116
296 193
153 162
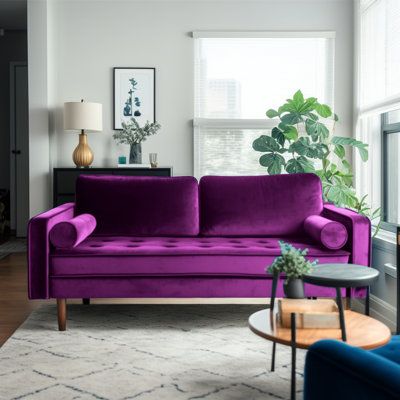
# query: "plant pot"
135 154
294 288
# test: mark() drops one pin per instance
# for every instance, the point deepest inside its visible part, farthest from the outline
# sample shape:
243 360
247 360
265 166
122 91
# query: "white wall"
89 38
39 152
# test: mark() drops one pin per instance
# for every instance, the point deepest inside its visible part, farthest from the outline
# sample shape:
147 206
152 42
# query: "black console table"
64 179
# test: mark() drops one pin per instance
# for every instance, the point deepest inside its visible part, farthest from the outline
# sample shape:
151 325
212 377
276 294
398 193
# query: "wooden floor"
15 306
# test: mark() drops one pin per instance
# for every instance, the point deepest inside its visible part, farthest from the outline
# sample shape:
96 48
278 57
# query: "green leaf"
299 165
347 141
298 98
317 130
265 144
323 110
335 117
308 105
282 126
299 147
271 113
317 150
291 118
290 133
340 194
376 213
303 147
308 166
273 162
285 108
313 116
346 164
278 135
339 150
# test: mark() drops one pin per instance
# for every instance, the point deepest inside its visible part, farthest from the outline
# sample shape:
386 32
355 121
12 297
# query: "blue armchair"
337 371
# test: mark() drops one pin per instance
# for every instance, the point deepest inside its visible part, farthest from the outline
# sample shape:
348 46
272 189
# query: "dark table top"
341 275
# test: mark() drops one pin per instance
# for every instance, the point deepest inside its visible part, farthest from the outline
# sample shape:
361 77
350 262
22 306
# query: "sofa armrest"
335 370
39 248
358 229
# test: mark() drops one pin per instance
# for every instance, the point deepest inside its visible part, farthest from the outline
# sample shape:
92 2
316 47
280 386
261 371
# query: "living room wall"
91 37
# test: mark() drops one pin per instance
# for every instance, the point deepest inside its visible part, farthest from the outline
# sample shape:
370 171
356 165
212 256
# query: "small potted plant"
294 265
134 135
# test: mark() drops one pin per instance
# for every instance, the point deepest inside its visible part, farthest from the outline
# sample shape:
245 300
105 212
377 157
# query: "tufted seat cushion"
177 256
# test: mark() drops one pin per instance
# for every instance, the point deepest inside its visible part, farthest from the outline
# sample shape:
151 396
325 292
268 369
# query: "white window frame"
241 123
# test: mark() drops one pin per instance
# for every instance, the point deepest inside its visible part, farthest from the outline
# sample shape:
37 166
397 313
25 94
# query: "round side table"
363 331
337 276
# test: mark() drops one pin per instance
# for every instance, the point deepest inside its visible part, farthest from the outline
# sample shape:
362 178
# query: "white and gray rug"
123 352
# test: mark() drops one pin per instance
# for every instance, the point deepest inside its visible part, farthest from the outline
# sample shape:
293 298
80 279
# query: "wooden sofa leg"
62 314
86 301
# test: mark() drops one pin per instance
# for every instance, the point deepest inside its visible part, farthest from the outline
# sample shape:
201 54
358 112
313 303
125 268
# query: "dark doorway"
14 139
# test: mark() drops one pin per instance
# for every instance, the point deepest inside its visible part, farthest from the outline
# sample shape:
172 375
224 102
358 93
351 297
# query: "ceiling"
13 14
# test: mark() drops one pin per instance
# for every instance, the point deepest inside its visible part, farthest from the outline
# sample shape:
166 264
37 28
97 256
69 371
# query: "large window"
379 52
238 76
378 95
391 167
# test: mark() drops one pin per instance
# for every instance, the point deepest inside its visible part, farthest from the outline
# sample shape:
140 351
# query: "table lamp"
83 116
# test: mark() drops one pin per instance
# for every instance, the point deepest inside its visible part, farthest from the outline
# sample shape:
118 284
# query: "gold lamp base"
82 155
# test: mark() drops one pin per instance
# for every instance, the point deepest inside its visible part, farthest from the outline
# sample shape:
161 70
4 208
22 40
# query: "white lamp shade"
83 115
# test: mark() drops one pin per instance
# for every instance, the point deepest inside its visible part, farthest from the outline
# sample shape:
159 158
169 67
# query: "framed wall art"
134 95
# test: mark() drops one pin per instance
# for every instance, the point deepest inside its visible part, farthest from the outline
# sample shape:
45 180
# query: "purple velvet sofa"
174 237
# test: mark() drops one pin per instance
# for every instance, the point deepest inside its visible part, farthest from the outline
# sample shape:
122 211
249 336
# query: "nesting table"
355 328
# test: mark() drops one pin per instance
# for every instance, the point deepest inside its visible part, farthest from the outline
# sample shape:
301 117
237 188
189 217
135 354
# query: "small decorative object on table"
121 160
153 160
293 263
310 314
134 135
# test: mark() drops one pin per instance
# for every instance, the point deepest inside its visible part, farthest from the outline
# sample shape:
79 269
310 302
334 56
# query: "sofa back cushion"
274 205
140 206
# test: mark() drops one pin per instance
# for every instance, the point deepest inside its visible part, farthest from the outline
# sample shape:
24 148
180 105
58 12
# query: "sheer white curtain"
238 77
378 76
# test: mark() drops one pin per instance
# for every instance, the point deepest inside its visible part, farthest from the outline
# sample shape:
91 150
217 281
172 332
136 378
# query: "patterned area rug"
122 352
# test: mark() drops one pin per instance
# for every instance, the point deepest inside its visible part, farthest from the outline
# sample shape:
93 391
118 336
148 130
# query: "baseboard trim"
379 309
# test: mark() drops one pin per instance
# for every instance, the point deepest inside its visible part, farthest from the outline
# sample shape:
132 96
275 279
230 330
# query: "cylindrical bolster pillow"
68 234
331 234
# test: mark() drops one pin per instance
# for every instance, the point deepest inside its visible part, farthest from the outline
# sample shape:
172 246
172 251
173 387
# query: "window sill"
385 237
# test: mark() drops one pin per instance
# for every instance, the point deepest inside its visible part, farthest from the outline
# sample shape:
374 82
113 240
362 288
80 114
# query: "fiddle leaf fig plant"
304 141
